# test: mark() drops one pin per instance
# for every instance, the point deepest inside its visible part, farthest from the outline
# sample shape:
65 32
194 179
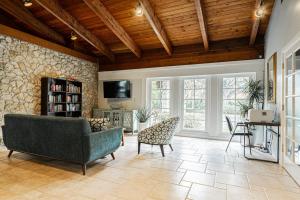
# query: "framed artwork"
271 78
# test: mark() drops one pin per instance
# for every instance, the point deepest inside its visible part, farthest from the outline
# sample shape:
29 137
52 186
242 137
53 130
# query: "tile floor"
197 169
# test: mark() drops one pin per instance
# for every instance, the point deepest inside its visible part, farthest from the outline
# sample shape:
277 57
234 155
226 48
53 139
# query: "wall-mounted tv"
116 89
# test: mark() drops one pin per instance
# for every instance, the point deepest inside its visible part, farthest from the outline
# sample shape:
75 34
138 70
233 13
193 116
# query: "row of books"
72 98
55 98
73 88
56 88
73 107
56 108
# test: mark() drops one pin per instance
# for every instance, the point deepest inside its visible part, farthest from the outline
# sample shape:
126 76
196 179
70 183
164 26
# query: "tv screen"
116 89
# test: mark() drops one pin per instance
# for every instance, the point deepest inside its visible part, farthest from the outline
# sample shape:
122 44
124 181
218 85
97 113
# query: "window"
194 97
160 100
233 96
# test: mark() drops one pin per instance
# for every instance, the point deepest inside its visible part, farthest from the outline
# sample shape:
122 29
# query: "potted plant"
244 108
255 92
143 115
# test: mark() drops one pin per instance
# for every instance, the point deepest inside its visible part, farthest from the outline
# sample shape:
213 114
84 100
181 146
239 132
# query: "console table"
268 129
119 118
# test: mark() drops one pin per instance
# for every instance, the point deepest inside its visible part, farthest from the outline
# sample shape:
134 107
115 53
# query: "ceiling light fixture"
73 36
139 10
27 3
260 12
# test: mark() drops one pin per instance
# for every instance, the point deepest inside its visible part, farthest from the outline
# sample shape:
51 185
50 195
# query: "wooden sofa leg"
113 156
162 150
83 169
10 152
139 147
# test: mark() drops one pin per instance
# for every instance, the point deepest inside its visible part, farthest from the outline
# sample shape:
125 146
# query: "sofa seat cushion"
99 124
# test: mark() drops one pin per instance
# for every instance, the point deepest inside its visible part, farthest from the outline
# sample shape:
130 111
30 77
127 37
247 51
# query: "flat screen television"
116 89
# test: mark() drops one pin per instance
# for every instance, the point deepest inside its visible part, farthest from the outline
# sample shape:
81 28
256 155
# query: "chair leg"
83 169
162 150
139 147
171 147
10 152
249 144
229 143
113 156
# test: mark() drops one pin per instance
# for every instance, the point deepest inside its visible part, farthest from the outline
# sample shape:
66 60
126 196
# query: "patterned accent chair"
160 134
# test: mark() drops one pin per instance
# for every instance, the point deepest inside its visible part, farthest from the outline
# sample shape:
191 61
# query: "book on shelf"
55 98
73 88
73 107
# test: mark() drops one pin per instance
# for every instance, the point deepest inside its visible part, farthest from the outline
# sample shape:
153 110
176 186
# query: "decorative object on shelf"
271 78
61 97
143 115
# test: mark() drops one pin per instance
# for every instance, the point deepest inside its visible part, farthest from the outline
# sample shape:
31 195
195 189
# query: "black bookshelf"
60 97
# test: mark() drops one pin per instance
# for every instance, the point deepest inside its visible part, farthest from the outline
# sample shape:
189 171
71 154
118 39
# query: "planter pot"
142 126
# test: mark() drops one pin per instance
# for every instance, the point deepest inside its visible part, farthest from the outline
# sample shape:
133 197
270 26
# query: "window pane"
165 84
289 106
228 93
228 82
165 94
229 106
165 104
199 104
200 83
297 60
156 94
189 84
200 94
297 107
297 84
188 94
188 104
241 82
289 148
297 130
297 153
289 128
289 65
289 85
240 94
156 104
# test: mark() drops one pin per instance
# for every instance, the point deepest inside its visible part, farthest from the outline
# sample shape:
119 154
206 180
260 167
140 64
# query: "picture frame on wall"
271 78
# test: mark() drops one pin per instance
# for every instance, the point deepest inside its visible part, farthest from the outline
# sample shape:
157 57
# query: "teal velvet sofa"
62 138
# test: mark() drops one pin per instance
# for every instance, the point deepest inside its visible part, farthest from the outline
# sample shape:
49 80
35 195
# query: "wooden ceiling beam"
202 22
55 9
222 51
17 9
156 25
100 10
255 26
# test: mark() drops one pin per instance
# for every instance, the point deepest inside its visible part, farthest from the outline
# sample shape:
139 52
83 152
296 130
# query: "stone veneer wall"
22 65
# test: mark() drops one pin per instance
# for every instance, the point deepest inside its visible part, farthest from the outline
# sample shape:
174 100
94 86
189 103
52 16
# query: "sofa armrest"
102 143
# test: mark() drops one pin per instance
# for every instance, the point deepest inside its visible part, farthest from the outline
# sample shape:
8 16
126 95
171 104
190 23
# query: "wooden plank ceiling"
170 32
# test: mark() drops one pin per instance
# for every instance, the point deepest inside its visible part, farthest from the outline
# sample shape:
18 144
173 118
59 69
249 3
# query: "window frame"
207 102
251 75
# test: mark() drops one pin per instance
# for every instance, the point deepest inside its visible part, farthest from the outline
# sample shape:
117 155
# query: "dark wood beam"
5 30
100 10
255 26
156 25
202 22
17 9
55 9
230 50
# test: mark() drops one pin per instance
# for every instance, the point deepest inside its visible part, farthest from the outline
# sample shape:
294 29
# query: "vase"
142 126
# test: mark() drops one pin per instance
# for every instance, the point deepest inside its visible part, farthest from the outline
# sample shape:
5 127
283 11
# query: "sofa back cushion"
57 137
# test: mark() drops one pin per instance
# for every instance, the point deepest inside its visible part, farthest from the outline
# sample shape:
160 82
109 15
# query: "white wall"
284 26
138 77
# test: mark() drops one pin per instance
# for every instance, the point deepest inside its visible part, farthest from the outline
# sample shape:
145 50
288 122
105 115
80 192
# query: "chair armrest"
102 143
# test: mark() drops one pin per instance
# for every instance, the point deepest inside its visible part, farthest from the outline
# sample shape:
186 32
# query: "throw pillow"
99 124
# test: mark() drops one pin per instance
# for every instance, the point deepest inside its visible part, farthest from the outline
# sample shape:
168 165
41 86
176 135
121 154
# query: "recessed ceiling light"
139 10
27 3
73 36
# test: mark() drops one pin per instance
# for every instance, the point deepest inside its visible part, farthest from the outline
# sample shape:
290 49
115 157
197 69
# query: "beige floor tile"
232 179
201 178
169 191
238 193
202 192
193 166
